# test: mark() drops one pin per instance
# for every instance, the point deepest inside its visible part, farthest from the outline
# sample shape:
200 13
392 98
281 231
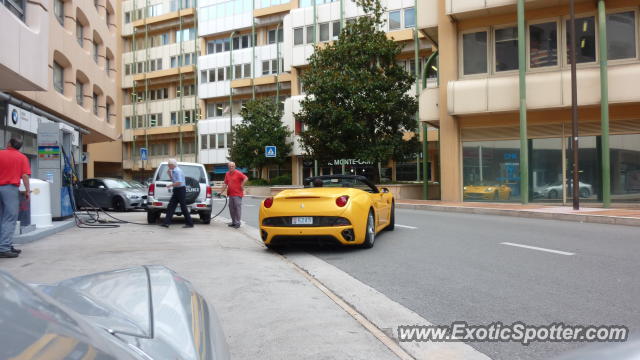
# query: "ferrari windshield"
339 182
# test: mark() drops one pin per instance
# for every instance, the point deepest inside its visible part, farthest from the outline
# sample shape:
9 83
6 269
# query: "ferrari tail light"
342 200
152 189
209 192
268 202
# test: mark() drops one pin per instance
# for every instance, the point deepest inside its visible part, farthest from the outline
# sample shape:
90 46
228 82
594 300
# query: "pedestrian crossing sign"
270 151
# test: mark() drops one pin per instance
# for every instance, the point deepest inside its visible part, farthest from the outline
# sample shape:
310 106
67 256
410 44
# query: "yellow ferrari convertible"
338 209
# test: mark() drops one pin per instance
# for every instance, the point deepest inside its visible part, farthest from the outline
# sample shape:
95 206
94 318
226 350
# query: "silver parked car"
147 312
111 193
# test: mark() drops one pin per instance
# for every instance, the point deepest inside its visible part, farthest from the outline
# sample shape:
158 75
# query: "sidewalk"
629 217
268 309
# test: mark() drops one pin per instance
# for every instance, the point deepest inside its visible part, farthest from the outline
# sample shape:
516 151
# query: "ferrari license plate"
302 220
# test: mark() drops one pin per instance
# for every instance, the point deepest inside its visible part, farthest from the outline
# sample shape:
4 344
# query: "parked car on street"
107 193
338 209
146 312
198 196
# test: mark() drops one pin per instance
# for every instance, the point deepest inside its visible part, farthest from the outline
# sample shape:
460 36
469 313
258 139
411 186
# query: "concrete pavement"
268 309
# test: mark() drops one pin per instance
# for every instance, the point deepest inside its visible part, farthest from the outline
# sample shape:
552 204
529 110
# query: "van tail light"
342 200
152 189
268 202
209 192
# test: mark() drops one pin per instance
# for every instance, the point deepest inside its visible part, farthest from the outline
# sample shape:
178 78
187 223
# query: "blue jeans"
9 207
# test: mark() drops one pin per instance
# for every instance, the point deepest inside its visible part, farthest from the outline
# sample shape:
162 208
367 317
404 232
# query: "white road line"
248 205
539 248
406 226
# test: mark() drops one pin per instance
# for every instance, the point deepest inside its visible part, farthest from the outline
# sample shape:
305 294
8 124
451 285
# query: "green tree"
261 126
357 102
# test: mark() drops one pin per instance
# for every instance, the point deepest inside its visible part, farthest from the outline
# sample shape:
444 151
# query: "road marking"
539 248
248 205
406 226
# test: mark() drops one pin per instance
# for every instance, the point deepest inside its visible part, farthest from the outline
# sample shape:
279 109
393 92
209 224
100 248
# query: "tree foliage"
357 103
261 126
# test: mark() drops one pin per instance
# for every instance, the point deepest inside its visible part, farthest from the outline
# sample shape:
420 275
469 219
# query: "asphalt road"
455 267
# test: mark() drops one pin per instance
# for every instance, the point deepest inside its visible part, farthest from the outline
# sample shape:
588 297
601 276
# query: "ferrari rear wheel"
392 217
370 233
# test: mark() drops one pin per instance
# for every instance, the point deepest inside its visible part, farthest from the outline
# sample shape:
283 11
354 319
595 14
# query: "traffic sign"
143 154
270 151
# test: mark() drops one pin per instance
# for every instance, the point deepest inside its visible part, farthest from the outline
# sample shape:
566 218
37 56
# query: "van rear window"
191 171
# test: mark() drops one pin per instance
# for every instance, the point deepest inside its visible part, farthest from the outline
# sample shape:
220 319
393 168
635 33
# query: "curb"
597 219
44 232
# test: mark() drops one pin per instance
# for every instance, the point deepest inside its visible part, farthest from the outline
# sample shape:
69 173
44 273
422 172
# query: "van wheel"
153 217
205 217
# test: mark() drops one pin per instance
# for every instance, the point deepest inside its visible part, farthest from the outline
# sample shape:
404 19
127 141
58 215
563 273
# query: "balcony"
463 9
429 102
428 17
155 161
127 135
22 64
545 90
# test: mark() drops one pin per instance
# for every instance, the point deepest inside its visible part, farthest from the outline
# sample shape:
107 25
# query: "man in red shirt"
234 184
13 167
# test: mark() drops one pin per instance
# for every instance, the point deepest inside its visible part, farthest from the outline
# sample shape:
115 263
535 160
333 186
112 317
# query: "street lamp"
230 88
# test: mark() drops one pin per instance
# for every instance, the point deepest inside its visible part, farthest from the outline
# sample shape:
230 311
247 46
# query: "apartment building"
477 105
256 49
160 104
58 64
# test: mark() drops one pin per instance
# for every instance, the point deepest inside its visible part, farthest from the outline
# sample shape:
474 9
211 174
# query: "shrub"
281 180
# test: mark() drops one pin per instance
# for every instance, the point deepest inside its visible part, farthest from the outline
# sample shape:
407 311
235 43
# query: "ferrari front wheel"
370 233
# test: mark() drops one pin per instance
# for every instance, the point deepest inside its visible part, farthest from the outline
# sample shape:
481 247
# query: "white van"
198 192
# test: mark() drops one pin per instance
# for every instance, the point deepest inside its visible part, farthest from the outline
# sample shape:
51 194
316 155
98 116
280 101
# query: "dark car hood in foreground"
146 312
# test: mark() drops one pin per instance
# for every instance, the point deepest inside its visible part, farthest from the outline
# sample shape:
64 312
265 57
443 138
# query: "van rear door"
162 181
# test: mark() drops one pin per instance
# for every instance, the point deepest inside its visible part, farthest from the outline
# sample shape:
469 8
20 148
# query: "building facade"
160 105
477 104
267 43
58 64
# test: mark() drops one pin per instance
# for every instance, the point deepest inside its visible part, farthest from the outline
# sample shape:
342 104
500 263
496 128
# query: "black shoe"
165 225
8 254
14 250
187 226
231 224
236 226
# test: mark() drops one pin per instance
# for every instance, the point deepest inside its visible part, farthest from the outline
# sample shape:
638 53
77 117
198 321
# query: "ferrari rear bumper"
344 235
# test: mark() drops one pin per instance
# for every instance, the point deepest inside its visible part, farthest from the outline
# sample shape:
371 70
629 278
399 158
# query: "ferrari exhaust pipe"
347 234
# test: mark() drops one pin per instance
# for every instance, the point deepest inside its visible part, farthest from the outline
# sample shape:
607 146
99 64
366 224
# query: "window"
274 66
80 33
139 65
96 49
324 32
506 49
543 45
474 52
203 142
585 40
212 141
17 7
187 59
245 41
79 93
174 118
58 78
203 77
127 17
394 20
158 64
221 141
95 104
211 47
310 35
221 76
237 72
154 10
185 35
621 35
236 43
107 112
336 30
409 17
107 65
58 10
155 120
219 109
298 36
265 67
127 122
272 36
247 70
127 69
